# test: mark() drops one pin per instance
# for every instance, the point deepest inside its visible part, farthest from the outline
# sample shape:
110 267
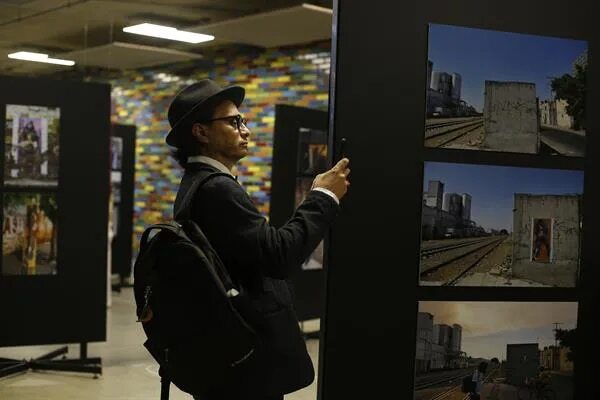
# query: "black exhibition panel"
291 123
68 306
377 103
123 201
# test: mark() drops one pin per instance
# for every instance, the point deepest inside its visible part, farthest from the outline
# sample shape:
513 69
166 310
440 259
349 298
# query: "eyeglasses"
235 120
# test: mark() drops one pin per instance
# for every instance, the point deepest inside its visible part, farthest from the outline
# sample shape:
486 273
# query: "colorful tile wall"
296 75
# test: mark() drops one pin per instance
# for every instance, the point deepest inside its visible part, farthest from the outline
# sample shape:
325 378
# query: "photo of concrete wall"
522 349
31 146
509 92
29 234
485 225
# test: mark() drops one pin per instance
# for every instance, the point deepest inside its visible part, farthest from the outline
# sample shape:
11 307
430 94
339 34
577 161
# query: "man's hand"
335 180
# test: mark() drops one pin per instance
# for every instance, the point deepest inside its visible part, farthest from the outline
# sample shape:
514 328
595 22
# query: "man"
210 136
478 378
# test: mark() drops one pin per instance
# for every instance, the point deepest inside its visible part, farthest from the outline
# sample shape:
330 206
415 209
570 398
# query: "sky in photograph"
479 55
492 188
489 326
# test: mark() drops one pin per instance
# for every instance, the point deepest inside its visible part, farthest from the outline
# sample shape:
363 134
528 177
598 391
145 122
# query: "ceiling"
90 31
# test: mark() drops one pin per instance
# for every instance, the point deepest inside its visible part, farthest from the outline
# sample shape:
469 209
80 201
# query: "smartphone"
342 148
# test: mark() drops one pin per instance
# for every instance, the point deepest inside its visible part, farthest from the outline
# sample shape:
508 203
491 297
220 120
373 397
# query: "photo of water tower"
509 351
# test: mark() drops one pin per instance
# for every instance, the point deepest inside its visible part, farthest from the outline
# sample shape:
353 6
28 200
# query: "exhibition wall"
55 210
500 163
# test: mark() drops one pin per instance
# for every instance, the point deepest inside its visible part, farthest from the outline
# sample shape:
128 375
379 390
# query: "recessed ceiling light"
166 32
39 57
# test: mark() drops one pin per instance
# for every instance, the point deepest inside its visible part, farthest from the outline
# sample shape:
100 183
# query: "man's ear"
200 132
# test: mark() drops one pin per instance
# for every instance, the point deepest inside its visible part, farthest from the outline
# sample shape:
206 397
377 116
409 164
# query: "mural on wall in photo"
485 225
29 234
501 91
31 142
509 350
541 240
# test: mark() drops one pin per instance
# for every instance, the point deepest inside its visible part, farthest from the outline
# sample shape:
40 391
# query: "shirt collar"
210 161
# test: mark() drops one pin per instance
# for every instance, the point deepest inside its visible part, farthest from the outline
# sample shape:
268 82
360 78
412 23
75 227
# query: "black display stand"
377 101
123 205
82 364
69 304
291 123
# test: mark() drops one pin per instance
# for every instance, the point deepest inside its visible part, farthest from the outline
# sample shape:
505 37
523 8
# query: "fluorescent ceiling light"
166 32
38 57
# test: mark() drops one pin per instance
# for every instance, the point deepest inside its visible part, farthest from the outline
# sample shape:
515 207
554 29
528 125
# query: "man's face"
223 139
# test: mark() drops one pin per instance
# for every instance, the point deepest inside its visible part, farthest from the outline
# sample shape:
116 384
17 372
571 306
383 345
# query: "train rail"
452 387
443 133
462 261
429 251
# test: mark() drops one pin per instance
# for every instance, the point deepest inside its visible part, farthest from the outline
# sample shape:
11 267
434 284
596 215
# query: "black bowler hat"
194 99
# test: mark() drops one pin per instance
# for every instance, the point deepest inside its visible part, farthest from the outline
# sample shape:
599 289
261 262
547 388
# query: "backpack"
188 305
468 386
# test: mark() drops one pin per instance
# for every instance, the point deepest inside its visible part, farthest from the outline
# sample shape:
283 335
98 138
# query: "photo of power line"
507 351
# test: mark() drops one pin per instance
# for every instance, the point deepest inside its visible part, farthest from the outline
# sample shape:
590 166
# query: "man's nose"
244 131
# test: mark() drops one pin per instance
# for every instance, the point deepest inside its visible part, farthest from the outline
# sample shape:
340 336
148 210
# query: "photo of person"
31 145
29 234
116 153
541 243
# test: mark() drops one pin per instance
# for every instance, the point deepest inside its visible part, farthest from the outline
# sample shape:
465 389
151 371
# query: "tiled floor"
129 373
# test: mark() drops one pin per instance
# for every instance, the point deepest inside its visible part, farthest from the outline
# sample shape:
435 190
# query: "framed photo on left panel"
31 146
30 232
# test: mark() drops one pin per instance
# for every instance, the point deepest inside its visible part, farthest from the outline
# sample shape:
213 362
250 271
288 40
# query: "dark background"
309 285
122 243
379 57
69 307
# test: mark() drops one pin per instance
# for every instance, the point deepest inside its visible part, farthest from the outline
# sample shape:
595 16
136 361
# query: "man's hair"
187 144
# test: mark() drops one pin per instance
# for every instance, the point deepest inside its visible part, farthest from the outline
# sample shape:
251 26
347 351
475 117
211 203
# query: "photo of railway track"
500 91
511 350
486 225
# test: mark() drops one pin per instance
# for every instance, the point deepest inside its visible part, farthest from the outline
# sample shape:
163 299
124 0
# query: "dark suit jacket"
259 258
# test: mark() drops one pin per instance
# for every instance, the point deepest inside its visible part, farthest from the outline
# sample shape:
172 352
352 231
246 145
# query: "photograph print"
312 152
506 92
116 153
495 350
485 225
31 145
29 233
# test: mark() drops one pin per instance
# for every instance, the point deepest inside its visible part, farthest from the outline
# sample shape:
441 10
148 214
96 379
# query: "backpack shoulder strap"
173 227
200 178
